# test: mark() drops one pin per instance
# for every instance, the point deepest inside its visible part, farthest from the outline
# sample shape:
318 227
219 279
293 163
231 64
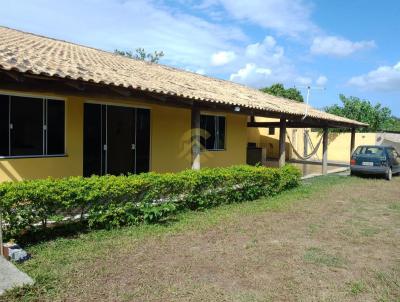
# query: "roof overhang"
27 82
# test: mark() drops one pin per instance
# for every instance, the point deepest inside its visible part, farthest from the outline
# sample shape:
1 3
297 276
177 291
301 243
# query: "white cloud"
267 49
264 63
186 40
321 81
250 73
300 80
222 58
337 46
384 78
200 71
289 17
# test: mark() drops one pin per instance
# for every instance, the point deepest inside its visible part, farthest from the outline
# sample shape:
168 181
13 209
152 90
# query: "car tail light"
352 162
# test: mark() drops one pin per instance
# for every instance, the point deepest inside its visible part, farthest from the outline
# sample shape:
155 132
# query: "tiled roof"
29 53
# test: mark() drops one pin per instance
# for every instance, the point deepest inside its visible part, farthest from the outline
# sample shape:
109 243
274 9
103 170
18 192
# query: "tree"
395 125
378 117
140 54
280 90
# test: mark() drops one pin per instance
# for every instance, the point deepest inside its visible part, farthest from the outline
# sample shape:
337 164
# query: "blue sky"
349 47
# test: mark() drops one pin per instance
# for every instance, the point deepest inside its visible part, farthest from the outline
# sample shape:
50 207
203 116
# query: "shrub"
114 201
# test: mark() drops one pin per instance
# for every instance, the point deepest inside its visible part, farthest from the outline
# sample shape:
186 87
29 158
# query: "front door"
116 140
120 140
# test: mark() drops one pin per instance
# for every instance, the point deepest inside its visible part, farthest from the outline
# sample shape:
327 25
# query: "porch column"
195 143
352 140
305 142
325 151
282 142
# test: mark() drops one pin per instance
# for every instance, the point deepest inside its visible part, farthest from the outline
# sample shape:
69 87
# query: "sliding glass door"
116 140
120 140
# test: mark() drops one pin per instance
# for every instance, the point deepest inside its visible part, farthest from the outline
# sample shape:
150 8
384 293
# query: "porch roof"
37 55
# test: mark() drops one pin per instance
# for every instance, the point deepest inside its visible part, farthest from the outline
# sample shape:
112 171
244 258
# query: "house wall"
338 143
269 142
170 142
235 144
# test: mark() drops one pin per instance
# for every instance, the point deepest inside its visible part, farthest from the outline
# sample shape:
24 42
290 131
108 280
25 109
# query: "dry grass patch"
332 239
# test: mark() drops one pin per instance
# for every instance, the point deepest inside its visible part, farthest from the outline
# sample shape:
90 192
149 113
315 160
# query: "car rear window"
364 150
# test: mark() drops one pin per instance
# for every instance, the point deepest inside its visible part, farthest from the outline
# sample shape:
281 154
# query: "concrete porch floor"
311 168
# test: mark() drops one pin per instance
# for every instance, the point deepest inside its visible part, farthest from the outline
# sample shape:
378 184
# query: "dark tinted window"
120 138
22 126
220 132
142 140
27 126
55 127
92 144
4 125
203 132
213 132
271 130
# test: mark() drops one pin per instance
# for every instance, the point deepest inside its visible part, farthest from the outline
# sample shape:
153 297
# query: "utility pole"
309 88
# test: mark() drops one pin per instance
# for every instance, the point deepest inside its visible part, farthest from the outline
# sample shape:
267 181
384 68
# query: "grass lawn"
334 238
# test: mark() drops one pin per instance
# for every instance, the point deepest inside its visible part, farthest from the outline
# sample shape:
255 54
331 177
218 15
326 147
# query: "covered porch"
307 167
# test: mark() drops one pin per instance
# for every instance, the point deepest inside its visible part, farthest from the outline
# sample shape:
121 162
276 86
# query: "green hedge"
113 201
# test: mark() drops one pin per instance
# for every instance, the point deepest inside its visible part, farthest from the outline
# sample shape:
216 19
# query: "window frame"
46 105
204 148
44 99
271 130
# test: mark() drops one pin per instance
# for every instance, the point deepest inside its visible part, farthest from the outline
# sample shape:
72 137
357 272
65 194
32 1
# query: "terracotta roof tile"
25 52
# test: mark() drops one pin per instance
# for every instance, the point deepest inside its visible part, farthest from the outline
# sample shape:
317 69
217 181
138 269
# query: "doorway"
116 140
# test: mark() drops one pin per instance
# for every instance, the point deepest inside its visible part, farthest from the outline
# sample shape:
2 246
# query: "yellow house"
67 109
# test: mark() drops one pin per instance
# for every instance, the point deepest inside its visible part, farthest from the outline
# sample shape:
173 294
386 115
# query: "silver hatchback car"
378 160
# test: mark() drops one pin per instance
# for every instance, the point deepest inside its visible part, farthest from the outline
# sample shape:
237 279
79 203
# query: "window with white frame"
213 132
31 126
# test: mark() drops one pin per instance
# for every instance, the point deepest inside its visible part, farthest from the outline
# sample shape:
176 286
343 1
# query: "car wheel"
389 174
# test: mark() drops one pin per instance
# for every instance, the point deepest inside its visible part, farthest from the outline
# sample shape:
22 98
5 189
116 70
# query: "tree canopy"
279 90
378 117
141 54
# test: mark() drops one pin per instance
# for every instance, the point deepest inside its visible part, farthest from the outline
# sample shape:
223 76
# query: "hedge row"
113 201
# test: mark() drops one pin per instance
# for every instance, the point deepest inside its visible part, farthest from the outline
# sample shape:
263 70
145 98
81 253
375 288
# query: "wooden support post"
352 141
325 151
305 143
195 139
282 142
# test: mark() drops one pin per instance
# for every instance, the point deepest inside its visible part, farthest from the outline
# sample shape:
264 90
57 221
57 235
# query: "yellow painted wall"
263 139
338 144
170 143
235 144
170 139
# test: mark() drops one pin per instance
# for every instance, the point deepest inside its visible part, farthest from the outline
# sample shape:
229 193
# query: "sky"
341 46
